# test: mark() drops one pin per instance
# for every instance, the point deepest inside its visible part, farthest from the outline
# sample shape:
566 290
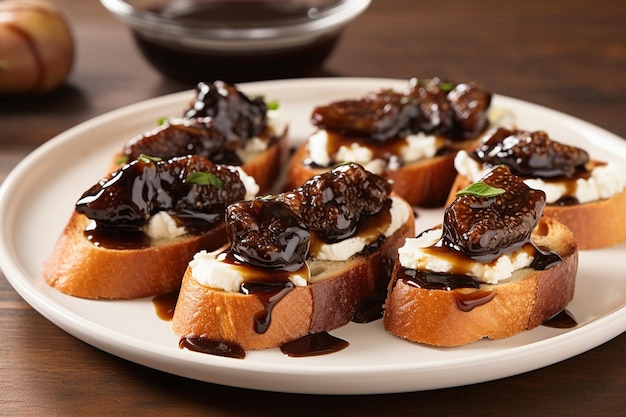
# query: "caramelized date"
531 154
435 114
184 137
267 233
380 116
236 115
485 227
333 203
470 104
128 197
429 106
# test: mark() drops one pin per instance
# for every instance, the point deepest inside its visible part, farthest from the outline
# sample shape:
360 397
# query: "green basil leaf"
148 159
480 189
204 178
272 105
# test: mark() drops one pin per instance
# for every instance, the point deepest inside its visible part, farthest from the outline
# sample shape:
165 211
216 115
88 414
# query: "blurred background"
518 48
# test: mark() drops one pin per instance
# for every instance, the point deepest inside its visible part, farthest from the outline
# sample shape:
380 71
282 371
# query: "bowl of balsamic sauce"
236 40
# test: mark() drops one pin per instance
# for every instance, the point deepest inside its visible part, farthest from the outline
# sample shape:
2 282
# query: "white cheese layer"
344 249
162 226
209 270
416 147
415 255
605 181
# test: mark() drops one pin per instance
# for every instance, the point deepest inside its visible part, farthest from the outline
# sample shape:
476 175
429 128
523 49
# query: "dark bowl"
235 40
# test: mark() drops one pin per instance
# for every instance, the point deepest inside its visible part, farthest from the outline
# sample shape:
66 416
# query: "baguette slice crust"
79 268
595 225
425 182
329 301
524 301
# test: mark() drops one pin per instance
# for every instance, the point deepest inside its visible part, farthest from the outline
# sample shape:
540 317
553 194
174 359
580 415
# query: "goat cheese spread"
416 147
415 255
209 270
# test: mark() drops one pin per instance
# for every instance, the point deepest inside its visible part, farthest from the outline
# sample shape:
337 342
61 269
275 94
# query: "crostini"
495 267
586 195
410 137
133 233
298 263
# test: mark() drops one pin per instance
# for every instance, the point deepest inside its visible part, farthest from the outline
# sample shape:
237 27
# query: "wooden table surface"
567 55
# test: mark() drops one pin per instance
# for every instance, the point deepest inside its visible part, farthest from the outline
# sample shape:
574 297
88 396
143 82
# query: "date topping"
333 203
191 189
236 115
268 234
531 154
274 232
498 218
182 137
431 106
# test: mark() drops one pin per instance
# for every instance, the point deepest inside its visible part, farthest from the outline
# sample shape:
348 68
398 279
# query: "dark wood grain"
567 55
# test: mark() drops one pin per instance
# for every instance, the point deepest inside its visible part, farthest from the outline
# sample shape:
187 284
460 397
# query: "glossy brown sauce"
211 347
436 280
269 294
116 238
370 310
314 345
369 228
193 65
268 285
165 304
467 301
457 279
562 320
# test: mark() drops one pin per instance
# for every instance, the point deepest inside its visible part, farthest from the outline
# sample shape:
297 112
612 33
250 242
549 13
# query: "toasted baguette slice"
329 301
525 300
425 182
595 225
78 267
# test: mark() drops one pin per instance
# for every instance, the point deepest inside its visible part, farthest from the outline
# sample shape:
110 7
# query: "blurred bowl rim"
151 25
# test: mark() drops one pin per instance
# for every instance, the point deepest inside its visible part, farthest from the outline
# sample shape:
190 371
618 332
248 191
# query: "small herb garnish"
480 189
446 86
122 160
161 121
204 178
272 105
148 159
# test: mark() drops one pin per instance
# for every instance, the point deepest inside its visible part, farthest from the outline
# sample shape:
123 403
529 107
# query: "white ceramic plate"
37 198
